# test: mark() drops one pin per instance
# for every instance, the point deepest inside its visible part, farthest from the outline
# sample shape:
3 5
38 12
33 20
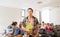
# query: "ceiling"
29 3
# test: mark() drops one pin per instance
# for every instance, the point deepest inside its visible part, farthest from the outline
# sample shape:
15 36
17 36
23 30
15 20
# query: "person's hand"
18 35
30 31
26 30
9 35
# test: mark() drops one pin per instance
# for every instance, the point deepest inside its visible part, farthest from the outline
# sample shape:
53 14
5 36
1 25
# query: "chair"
57 30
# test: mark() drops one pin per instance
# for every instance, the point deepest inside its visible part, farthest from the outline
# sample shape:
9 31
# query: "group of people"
28 27
46 28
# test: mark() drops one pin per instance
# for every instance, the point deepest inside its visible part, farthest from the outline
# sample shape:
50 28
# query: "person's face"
30 12
43 24
21 23
14 27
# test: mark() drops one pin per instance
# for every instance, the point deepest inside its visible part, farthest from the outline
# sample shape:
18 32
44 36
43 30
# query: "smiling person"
29 23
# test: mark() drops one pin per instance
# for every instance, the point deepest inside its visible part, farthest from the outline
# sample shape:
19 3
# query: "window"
22 14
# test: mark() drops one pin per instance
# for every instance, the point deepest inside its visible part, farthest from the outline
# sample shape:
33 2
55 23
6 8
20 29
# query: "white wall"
55 15
51 15
45 14
7 15
20 3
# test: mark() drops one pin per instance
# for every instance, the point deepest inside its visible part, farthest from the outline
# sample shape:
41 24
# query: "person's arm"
37 26
24 29
23 26
37 30
19 35
9 35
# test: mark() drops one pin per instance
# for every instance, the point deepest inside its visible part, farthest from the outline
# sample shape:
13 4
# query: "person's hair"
48 23
42 21
21 23
30 9
14 23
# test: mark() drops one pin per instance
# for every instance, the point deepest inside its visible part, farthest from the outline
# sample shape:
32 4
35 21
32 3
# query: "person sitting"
42 27
49 29
16 31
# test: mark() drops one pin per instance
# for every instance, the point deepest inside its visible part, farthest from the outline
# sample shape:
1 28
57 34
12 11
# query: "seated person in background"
42 27
16 31
49 31
48 27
